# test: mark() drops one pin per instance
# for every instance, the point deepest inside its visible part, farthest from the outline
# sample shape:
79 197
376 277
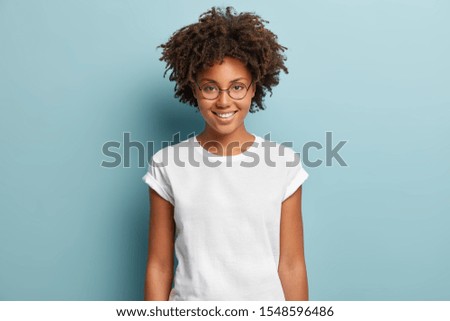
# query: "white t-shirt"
227 212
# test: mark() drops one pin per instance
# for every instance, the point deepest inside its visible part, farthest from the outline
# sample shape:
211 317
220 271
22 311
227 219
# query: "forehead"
228 70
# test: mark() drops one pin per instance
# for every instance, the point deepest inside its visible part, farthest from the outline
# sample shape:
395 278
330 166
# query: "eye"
209 88
237 87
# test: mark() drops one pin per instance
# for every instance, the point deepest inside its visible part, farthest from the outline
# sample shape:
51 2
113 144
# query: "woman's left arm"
292 266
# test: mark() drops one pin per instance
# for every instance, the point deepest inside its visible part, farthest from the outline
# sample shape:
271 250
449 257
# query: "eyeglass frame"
227 90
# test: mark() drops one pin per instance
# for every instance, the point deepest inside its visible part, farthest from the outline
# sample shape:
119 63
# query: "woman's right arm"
159 273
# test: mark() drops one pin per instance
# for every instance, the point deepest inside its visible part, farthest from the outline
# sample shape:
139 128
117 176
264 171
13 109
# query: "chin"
219 129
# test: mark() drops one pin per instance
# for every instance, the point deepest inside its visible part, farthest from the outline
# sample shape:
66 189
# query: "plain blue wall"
77 74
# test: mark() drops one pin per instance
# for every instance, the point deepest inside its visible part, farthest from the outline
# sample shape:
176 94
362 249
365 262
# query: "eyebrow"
212 80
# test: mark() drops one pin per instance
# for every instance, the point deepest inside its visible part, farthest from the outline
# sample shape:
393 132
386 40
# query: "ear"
194 91
254 89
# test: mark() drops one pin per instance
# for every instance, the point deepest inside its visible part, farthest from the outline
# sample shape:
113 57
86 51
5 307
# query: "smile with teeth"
225 115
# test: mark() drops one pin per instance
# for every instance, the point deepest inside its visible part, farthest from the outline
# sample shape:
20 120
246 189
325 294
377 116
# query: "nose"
223 100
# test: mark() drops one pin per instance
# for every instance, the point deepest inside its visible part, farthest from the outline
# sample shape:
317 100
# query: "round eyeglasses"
211 91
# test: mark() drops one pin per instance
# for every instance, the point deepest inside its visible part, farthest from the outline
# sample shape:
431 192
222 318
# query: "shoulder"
168 153
280 151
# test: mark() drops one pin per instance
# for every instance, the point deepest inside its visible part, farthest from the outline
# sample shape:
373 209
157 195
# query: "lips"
222 113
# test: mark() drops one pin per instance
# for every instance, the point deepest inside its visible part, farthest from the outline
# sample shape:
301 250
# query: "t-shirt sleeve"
157 178
295 174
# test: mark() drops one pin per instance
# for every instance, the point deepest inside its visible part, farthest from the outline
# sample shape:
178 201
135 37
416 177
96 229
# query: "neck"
225 144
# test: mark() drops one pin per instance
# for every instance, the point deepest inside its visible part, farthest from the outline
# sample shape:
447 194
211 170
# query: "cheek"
204 109
203 105
247 103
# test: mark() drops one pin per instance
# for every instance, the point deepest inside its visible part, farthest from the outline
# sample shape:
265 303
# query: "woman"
227 201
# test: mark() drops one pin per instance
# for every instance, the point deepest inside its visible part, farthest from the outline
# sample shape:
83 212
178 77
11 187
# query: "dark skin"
159 274
228 33
291 267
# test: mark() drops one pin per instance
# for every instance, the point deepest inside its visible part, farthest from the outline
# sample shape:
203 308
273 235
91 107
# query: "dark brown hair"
219 33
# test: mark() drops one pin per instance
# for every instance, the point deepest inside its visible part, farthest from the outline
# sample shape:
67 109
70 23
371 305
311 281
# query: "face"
231 72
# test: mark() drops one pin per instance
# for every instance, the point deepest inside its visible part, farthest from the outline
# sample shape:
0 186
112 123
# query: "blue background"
77 74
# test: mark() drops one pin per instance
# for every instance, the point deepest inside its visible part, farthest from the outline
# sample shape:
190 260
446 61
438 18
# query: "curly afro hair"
219 33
